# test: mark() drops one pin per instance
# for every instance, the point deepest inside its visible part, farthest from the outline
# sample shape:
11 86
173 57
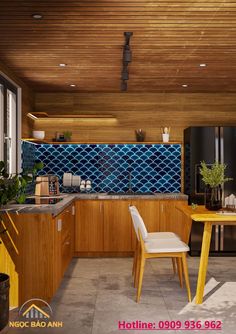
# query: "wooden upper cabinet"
89 226
117 226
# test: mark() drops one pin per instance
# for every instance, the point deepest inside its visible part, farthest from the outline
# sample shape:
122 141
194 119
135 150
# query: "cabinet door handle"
100 207
59 225
67 243
162 208
73 210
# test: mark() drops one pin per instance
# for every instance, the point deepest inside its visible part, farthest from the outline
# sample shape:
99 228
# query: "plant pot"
213 198
4 300
140 135
165 137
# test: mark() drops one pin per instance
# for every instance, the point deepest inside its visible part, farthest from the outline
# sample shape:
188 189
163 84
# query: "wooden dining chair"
172 248
136 219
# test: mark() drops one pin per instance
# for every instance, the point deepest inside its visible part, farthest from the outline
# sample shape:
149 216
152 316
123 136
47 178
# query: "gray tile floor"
97 293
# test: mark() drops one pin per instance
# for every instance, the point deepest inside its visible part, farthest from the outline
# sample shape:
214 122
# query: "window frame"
9 84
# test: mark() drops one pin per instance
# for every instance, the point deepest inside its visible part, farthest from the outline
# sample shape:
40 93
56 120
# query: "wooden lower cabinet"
41 247
169 217
117 226
89 226
104 227
149 210
64 243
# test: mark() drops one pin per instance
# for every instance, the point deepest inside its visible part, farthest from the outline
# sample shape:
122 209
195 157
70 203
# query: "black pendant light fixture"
127 58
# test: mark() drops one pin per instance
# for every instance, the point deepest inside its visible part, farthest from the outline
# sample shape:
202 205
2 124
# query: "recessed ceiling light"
72 85
62 65
184 85
202 65
37 16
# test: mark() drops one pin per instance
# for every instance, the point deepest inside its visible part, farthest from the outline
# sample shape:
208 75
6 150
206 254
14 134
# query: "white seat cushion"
162 235
166 246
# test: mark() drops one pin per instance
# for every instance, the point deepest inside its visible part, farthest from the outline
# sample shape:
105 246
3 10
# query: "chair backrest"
138 222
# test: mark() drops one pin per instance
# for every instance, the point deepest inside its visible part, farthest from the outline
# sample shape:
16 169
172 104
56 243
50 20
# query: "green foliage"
67 134
214 175
13 187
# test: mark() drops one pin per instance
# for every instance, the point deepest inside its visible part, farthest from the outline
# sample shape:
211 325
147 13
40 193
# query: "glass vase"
213 198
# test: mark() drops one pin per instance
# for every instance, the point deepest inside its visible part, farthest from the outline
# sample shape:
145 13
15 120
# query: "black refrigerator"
210 144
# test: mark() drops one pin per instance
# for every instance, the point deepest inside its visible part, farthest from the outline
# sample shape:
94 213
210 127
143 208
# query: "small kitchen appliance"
47 185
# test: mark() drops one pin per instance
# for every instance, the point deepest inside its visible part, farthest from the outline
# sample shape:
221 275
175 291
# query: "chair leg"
140 281
186 276
134 260
180 271
137 269
174 264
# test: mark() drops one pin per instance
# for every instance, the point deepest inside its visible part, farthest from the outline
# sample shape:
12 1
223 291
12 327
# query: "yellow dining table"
208 218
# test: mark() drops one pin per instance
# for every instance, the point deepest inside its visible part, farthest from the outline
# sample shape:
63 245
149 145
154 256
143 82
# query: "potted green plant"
67 135
214 177
12 188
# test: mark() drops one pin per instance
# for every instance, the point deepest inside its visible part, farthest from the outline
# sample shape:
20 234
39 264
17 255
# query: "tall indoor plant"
214 177
12 188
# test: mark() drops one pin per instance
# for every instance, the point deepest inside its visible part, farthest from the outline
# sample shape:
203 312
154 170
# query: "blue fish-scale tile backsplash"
28 156
155 167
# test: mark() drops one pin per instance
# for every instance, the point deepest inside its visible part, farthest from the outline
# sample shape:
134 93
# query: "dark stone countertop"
56 209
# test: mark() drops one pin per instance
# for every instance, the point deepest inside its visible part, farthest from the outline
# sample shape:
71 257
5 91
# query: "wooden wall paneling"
169 42
148 111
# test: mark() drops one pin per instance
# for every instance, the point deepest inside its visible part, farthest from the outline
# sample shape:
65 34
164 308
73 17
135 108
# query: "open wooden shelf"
45 141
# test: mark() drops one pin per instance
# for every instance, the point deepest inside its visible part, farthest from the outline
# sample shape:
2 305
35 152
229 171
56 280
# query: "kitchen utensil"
67 179
75 180
39 134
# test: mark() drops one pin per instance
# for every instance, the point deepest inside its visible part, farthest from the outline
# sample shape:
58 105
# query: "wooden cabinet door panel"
89 226
117 226
149 211
66 253
169 217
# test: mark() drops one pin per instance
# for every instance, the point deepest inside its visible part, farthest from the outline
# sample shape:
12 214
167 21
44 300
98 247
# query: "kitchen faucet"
130 191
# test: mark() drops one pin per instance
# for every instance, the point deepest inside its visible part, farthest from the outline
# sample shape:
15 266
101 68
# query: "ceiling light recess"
184 85
202 65
62 65
37 16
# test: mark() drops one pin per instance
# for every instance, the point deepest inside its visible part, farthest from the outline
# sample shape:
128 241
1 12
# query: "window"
10 150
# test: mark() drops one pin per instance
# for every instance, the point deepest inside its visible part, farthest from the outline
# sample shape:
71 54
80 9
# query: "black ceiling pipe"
125 72
127 58
127 54
123 86
128 35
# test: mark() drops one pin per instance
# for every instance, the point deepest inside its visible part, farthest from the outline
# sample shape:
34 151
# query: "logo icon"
35 312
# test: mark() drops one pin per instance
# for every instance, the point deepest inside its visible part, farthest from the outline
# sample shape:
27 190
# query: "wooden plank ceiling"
170 41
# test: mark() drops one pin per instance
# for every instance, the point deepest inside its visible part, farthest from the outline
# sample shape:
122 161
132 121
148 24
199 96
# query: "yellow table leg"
203 262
